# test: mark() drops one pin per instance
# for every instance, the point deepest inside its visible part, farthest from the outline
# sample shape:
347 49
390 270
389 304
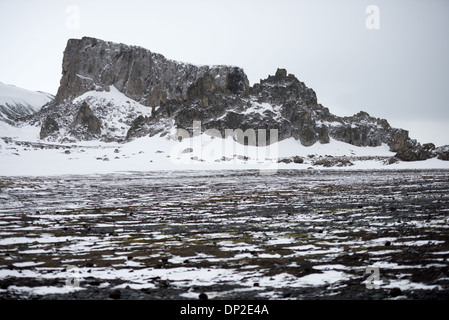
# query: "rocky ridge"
157 94
16 103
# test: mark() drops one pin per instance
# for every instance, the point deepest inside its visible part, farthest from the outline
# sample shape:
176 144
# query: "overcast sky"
392 63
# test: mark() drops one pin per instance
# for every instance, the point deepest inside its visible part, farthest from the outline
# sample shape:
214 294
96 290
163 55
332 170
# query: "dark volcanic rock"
395 292
282 88
413 151
364 130
147 77
237 82
297 159
218 96
48 127
115 294
86 123
442 152
202 296
333 161
136 126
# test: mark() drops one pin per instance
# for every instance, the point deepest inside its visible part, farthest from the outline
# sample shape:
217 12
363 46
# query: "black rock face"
237 82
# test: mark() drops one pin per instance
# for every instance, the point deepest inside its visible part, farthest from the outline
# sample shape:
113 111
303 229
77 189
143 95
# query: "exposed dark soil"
230 234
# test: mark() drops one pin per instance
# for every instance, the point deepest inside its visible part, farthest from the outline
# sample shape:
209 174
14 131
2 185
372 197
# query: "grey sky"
398 72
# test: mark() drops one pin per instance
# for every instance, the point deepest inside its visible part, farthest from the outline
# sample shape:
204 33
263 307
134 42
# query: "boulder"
136 126
332 162
48 127
414 151
298 159
285 160
442 152
86 122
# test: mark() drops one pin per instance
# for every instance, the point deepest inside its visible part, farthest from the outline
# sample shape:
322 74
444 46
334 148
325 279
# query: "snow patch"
164 153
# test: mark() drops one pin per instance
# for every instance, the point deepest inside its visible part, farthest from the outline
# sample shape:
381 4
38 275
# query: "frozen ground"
298 234
22 153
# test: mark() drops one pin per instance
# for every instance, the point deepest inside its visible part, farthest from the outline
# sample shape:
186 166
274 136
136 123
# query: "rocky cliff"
116 92
147 77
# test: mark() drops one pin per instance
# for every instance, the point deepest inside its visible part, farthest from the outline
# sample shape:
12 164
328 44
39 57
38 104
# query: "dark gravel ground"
158 236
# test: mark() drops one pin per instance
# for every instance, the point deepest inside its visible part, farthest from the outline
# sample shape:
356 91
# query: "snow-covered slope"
16 102
115 112
197 153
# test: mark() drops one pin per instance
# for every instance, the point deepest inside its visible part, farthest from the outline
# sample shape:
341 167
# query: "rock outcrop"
144 76
442 152
49 127
86 125
414 151
176 94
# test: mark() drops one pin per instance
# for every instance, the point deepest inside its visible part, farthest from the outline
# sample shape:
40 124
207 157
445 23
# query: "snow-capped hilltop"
16 102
